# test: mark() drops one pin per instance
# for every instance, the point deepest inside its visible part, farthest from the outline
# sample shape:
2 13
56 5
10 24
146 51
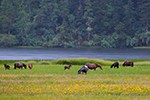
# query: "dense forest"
75 23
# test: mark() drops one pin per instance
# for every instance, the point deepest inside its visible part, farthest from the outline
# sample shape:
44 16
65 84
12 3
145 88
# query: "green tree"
144 39
71 23
7 40
144 13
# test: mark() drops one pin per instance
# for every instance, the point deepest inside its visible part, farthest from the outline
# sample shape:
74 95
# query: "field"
49 80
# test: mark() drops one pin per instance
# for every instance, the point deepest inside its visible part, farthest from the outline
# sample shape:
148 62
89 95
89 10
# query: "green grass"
28 47
49 80
142 47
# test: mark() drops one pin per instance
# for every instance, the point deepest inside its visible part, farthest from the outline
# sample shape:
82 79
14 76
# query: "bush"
82 61
7 40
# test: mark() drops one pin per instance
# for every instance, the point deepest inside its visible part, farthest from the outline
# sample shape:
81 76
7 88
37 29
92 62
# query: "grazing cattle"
115 64
19 65
67 67
128 63
83 70
6 66
30 66
94 66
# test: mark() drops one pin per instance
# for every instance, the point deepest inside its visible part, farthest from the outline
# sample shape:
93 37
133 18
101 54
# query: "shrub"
82 61
7 40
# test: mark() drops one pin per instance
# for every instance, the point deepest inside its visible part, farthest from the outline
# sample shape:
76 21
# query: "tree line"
75 23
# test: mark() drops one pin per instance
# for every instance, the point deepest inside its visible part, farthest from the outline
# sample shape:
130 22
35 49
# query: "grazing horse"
115 64
94 66
83 70
19 65
30 66
67 67
6 66
128 63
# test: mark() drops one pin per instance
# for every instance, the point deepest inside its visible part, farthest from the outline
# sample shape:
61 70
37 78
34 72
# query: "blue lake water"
58 53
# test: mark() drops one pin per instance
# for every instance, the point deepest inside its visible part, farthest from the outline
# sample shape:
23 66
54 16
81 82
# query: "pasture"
49 80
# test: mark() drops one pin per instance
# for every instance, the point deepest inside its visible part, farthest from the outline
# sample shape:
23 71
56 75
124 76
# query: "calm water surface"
57 53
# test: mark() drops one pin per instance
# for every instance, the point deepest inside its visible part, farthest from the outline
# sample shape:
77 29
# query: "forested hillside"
73 23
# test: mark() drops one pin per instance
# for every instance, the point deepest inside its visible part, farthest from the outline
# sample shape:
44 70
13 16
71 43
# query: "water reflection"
57 53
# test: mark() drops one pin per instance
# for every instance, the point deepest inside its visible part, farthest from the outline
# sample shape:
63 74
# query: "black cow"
115 64
83 70
6 66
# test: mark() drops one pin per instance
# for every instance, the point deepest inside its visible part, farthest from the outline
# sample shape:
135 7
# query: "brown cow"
67 67
30 66
94 66
128 63
19 65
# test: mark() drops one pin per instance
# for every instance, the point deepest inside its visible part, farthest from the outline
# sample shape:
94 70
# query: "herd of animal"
82 70
19 65
86 67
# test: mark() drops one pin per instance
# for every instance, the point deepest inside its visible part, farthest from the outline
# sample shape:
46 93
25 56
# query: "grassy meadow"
49 81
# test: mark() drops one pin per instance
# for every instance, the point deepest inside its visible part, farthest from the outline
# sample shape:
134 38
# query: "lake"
58 53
